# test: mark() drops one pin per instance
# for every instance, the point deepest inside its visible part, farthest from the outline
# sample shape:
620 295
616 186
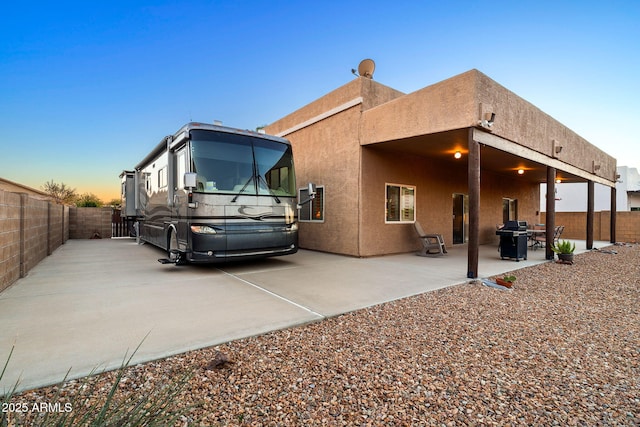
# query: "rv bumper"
222 256
225 246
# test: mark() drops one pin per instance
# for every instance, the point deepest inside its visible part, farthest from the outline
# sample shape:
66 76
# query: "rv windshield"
224 163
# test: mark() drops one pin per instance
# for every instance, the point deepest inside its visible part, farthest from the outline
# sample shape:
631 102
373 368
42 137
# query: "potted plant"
506 281
564 249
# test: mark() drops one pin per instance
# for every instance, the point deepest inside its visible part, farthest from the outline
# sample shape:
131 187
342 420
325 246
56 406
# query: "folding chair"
557 233
538 237
430 242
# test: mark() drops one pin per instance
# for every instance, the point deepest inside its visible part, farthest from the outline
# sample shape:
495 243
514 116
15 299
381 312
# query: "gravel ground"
560 348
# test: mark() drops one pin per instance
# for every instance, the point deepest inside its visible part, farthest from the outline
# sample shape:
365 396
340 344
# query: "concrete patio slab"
93 301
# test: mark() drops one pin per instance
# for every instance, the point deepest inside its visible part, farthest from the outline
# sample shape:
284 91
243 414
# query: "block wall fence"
31 229
575 225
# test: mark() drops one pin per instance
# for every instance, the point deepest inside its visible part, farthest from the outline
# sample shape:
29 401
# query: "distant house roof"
15 187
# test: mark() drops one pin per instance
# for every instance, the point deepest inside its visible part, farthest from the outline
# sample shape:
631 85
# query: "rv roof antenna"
366 68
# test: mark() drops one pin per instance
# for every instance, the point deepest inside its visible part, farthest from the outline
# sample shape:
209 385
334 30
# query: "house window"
314 210
509 210
162 177
147 181
400 203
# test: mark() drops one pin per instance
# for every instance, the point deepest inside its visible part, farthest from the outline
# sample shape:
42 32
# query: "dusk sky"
88 88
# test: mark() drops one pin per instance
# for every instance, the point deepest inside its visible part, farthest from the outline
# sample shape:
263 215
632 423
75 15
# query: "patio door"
509 210
460 218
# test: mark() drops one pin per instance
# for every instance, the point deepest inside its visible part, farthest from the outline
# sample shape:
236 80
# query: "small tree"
60 192
88 200
116 203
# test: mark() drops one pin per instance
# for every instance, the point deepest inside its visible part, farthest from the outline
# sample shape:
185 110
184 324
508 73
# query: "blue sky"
88 88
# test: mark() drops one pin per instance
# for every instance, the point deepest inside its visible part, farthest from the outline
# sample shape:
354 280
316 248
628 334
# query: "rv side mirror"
190 180
312 189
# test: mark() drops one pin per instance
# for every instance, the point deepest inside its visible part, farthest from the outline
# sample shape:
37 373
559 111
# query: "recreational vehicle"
211 193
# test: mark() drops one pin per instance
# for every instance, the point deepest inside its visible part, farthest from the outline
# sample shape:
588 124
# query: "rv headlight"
203 229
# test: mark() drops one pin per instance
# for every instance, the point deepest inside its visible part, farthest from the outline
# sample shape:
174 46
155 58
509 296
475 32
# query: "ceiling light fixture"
520 171
457 155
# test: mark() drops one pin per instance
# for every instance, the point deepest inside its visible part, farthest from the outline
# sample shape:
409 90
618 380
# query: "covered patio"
464 148
516 171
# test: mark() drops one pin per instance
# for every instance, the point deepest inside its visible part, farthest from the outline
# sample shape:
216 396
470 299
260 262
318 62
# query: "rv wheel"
172 249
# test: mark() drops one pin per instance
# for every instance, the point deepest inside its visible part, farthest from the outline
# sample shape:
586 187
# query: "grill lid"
515 225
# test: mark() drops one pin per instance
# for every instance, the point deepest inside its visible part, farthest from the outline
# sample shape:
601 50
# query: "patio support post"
590 203
550 220
614 209
473 173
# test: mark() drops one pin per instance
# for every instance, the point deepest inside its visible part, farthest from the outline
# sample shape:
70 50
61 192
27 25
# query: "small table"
534 237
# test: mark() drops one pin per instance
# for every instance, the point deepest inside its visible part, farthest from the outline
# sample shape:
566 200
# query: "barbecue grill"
513 240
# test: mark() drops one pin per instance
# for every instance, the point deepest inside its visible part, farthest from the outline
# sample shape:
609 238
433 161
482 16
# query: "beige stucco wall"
433 200
333 140
10 186
463 100
327 153
447 105
520 121
435 183
371 92
328 156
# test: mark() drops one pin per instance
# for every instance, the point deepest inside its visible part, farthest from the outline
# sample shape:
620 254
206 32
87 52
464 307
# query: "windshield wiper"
261 178
243 188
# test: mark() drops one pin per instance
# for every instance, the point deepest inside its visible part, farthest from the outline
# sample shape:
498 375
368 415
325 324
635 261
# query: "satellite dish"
366 68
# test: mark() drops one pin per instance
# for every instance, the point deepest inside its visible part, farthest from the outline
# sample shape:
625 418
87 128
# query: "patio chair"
557 233
538 237
432 244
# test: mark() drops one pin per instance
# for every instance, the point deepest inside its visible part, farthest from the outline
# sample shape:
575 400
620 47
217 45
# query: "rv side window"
181 168
274 163
162 177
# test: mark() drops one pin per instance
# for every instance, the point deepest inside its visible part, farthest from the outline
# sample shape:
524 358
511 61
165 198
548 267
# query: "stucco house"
15 187
458 156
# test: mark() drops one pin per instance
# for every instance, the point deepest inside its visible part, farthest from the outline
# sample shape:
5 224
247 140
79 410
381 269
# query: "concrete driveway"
94 301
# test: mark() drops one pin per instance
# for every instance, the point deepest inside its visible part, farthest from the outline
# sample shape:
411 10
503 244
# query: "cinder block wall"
90 223
57 222
10 207
36 232
575 225
627 226
30 229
